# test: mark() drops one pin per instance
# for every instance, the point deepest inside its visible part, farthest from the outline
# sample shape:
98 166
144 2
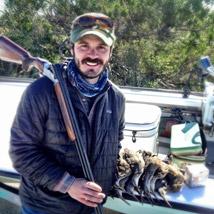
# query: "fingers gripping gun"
11 52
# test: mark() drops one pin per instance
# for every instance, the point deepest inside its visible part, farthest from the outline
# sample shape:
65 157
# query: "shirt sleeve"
27 134
122 120
65 183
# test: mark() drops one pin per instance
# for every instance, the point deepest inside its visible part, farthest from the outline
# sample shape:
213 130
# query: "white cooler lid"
141 117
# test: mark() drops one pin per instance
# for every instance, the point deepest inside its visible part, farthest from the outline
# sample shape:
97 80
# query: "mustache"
96 60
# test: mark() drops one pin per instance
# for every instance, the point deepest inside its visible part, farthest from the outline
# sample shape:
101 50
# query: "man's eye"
102 48
83 47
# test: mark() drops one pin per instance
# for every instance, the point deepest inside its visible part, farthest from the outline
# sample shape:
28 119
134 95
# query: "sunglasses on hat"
91 21
96 24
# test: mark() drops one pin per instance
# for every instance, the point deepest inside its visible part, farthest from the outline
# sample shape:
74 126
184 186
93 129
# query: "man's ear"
72 50
70 47
111 51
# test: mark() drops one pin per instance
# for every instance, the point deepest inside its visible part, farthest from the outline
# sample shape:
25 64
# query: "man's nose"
92 53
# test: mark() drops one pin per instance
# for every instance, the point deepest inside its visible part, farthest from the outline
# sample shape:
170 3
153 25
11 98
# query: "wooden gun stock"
64 110
11 52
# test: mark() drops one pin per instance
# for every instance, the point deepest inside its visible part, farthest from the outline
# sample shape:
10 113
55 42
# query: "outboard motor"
208 111
208 103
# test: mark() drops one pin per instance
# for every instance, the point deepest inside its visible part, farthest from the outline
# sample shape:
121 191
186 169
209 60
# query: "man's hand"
86 192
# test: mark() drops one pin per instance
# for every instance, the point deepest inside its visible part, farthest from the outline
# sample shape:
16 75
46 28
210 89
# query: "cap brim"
107 39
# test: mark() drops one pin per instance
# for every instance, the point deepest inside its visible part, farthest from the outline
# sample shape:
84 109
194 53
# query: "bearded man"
52 179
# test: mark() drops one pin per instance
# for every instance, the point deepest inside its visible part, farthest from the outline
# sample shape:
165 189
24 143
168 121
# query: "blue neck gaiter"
87 89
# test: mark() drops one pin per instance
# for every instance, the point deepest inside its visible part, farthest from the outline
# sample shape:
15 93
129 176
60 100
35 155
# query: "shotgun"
11 52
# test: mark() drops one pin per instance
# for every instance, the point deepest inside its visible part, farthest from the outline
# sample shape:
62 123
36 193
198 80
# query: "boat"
172 107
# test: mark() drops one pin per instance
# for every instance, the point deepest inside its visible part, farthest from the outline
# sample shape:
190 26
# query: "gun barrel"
11 52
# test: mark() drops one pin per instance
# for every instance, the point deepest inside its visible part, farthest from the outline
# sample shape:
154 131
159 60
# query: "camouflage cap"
93 24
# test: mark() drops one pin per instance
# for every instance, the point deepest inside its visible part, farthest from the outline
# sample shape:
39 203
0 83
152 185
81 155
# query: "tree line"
159 42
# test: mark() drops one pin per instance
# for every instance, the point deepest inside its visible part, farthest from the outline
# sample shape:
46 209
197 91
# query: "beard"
91 73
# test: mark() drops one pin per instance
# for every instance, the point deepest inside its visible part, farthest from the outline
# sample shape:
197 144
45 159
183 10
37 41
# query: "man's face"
91 55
